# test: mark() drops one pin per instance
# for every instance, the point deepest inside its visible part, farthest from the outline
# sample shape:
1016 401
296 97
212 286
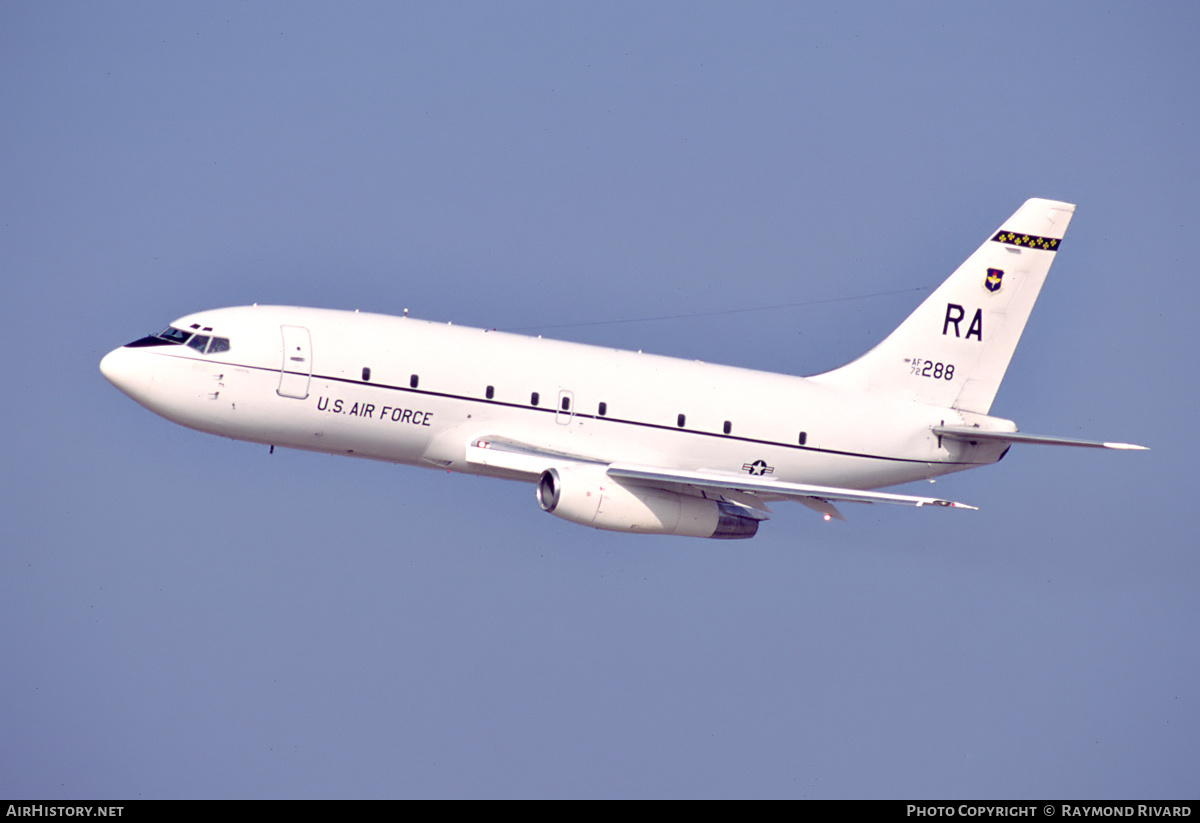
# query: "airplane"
613 439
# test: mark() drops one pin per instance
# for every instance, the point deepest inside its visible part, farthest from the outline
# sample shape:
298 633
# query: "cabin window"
366 374
603 408
566 403
490 393
803 438
533 399
413 381
680 420
728 427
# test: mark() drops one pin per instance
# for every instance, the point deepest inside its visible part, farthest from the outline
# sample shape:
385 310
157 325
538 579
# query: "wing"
769 489
745 491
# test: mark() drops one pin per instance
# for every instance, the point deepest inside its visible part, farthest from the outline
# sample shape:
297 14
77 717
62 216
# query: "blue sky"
185 616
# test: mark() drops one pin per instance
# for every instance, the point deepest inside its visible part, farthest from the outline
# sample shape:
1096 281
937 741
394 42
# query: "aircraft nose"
126 370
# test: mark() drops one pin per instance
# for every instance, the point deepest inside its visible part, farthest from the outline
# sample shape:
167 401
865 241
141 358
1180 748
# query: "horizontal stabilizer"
968 434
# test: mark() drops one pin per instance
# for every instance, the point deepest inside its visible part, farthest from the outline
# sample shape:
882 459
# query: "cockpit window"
171 336
174 335
166 337
208 345
147 341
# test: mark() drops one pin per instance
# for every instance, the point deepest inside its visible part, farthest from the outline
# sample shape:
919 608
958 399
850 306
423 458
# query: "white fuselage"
411 391
614 439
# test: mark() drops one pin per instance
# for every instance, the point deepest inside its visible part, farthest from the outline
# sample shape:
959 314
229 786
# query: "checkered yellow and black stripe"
1028 240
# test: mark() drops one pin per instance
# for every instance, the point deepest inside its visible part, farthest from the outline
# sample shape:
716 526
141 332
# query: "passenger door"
296 372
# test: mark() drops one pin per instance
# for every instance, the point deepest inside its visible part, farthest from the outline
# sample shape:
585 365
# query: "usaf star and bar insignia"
758 468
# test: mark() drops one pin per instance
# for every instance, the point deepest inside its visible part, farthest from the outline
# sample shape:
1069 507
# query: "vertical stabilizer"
953 350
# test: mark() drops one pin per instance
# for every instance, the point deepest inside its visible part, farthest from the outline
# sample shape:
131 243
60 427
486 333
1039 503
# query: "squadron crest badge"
994 280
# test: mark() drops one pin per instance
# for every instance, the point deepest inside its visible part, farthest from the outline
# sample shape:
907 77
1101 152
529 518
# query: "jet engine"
585 494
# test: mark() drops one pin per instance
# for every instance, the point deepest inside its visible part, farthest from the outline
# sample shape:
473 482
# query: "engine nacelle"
587 495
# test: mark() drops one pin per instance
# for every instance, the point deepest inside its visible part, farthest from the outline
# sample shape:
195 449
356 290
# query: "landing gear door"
296 372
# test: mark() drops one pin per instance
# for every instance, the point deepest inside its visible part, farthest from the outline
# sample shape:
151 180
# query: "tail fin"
954 349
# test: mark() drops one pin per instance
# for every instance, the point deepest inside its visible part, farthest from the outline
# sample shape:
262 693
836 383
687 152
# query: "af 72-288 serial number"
928 368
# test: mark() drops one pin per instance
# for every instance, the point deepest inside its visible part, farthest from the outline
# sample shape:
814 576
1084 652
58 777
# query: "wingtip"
948 504
953 505
1127 447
